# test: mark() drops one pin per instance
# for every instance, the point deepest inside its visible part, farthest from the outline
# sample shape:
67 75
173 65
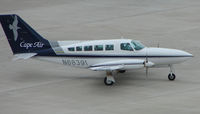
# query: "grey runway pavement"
36 87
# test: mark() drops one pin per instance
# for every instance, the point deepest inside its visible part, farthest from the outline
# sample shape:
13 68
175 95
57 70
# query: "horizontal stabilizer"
24 56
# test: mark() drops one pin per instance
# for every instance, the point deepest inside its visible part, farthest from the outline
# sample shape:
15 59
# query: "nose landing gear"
171 75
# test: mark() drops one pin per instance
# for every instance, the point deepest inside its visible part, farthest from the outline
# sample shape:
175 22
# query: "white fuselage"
84 59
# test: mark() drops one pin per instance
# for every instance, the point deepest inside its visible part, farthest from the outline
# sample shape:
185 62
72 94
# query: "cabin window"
98 47
71 49
109 47
79 48
87 48
126 46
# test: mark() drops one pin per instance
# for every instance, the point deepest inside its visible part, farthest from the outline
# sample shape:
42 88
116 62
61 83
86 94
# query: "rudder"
22 38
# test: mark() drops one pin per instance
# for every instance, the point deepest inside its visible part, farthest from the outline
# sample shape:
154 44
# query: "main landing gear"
109 79
171 75
121 71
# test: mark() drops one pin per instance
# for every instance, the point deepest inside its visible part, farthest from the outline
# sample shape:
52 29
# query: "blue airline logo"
14 28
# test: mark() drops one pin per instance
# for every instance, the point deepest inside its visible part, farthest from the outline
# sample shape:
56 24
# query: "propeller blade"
146 62
147 72
146 56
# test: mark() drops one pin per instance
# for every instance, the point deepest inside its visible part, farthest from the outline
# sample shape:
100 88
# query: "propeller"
146 62
147 69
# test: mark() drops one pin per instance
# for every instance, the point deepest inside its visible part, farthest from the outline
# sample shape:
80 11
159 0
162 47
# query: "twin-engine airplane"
97 55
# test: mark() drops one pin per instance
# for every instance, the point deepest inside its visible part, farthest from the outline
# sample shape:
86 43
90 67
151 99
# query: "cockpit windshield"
137 45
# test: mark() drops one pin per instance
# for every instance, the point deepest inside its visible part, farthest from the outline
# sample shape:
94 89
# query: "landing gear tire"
108 82
122 71
171 76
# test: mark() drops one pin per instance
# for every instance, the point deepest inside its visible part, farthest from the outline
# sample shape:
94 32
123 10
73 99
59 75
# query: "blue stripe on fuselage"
113 56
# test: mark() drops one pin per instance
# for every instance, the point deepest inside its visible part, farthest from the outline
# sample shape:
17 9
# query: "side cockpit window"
126 46
137 45
109 47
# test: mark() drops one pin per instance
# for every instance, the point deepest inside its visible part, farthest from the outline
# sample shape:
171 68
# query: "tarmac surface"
36 87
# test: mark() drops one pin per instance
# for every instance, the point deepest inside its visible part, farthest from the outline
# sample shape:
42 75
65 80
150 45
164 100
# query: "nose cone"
188 54
169 56
168 52
181 53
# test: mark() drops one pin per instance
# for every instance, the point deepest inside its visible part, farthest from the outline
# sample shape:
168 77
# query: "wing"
119 65
107 68
24 56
